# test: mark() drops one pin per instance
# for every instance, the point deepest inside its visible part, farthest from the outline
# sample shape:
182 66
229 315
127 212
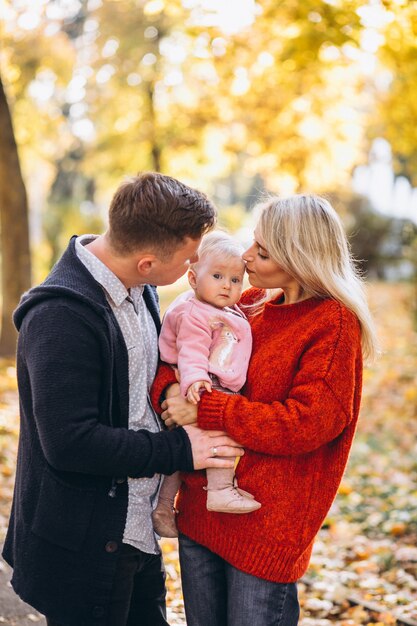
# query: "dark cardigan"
67 517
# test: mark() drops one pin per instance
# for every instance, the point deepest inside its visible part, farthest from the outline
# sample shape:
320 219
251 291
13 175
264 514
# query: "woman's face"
263 272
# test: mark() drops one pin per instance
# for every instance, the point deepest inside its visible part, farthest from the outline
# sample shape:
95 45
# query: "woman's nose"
248 254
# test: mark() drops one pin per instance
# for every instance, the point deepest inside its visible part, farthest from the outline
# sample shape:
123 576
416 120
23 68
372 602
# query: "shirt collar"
103 275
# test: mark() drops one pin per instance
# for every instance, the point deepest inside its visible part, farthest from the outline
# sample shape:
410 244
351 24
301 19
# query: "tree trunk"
14 223
155 147
414 261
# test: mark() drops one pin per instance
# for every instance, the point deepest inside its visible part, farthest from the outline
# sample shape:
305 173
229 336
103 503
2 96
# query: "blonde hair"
218 243
304 235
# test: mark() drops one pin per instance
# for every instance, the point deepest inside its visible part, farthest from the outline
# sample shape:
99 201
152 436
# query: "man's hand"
210 447
172 390
177 411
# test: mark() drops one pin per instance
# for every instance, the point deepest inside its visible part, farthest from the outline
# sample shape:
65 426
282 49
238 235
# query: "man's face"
167 272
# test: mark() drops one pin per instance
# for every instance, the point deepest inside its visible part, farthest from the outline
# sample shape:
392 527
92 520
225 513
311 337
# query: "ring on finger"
214 451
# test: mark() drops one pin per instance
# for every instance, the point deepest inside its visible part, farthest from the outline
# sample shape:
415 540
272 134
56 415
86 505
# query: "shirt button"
111 546
98 611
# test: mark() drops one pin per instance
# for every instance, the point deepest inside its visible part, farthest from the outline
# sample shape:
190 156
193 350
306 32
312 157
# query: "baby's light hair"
218 243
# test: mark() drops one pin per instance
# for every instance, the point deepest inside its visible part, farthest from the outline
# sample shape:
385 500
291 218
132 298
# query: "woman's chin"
255 282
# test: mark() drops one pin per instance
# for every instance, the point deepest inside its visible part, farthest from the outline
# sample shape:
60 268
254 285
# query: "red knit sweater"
296 420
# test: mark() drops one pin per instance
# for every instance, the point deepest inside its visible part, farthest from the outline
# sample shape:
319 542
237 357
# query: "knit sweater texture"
296 419
75 448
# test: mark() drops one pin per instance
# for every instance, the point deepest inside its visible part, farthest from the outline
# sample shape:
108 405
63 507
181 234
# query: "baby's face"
218 281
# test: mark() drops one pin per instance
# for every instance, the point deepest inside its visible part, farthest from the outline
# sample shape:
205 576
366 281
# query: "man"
91 450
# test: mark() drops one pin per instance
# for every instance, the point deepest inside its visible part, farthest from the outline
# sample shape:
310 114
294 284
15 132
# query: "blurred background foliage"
238 98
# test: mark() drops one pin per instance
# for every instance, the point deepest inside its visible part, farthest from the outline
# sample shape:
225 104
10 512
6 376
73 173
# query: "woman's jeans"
218 594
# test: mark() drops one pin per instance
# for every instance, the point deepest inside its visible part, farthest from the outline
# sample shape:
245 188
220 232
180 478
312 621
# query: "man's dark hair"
157 212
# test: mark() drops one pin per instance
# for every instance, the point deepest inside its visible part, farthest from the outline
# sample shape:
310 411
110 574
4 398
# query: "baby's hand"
193 394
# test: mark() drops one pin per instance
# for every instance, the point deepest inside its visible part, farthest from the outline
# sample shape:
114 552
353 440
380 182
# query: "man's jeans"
138 594
218 594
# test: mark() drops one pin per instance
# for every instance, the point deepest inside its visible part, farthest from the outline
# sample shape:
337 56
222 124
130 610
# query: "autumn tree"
280 100
38 60
131 86
289 96
15 253
396 111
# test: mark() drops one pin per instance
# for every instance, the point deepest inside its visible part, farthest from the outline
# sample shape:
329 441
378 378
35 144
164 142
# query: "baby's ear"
192 279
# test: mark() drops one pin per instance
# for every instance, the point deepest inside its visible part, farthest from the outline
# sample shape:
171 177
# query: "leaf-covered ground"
366 553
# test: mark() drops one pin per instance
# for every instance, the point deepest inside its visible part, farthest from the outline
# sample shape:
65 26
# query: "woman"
296 419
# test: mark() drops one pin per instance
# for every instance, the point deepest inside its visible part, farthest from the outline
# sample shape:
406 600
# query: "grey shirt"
141 340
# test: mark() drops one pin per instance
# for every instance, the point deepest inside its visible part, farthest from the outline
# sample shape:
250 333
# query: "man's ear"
192 279
146 264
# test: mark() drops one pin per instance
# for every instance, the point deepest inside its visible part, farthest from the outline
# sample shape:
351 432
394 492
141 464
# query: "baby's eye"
236 281
217 276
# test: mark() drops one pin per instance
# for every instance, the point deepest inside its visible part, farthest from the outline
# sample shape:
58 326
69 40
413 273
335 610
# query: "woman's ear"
192 279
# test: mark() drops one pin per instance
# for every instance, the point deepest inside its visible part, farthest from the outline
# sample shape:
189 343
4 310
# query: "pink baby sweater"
201 339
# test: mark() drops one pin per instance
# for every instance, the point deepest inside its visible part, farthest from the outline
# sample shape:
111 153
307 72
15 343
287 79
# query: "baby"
206 335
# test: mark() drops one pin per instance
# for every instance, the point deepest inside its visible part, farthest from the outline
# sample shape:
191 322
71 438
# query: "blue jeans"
218 594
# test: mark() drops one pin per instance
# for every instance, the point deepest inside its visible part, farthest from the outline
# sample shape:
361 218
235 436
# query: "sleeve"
62 354
323 399
194 338
165 377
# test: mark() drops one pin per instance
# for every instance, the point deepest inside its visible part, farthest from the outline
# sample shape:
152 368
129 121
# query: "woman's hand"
212 448
176 410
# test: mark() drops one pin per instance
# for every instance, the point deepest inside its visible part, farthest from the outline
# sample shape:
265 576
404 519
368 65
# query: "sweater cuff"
183 453
165 376
211 410
188 465
167 452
